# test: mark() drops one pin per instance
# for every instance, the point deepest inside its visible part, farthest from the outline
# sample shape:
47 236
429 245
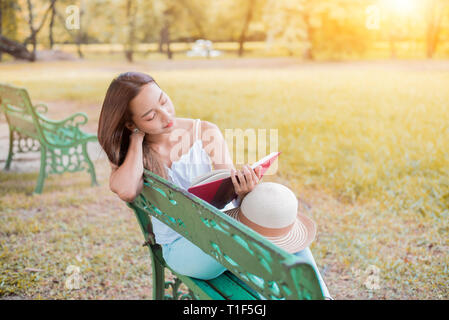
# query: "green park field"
365 147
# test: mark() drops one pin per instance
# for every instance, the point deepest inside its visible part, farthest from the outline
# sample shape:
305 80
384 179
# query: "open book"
216 187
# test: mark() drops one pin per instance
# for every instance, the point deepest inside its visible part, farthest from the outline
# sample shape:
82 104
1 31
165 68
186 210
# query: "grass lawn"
364 145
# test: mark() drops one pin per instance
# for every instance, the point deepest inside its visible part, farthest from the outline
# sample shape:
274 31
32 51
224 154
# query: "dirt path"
181 63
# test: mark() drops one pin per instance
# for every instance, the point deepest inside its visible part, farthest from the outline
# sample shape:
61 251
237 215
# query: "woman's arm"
215 146
221 159
127 179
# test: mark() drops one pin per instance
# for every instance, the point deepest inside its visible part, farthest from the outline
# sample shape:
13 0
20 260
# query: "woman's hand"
248 179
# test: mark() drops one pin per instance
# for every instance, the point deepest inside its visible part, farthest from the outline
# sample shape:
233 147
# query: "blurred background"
146 29
357 89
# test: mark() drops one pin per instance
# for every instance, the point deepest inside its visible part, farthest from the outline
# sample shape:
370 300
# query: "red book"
216 187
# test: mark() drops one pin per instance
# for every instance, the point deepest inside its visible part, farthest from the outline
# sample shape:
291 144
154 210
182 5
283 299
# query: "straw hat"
271 209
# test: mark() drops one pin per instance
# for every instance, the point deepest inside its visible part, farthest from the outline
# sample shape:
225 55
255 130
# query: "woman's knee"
187 259
305 255
203 270
208 272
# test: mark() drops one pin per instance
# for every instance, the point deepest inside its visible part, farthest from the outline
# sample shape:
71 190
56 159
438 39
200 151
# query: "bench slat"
201 288
244 285
229 288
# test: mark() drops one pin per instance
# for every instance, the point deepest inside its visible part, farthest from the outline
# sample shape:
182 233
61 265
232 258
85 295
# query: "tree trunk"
161 41
52 22
165 39
248 18
168 42
309 53
130 16
32 36
80 36
434 17
34 31
16 49
76 39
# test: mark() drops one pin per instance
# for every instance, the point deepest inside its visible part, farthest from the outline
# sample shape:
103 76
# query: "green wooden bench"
254 265
63 146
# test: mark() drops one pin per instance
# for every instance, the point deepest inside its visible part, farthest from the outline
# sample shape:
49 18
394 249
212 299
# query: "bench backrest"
29 121
19 111
273 272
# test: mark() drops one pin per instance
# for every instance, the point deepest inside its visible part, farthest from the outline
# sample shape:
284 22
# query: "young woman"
138 129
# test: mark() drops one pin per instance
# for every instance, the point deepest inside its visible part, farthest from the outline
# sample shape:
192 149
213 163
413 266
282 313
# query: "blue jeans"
186 258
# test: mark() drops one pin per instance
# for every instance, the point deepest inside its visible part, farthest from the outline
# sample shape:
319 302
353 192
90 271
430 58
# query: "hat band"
267 232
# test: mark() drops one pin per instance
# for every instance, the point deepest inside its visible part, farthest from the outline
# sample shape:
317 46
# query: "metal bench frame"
254 265
63 146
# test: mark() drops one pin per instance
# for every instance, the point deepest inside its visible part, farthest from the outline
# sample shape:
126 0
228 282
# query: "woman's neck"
160 139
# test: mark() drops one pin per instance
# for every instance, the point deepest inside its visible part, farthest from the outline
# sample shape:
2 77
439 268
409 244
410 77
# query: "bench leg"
91 169
42 171
10 153
158 280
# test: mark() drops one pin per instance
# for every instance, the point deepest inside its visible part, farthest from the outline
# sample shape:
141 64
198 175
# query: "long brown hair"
113 135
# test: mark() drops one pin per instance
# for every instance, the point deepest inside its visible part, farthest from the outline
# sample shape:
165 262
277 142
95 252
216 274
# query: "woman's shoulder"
207 126
215 145
211 135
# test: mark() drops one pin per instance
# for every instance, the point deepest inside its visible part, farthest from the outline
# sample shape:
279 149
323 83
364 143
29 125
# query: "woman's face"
152 110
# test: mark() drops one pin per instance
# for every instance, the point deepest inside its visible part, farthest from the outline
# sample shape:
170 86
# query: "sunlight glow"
403 7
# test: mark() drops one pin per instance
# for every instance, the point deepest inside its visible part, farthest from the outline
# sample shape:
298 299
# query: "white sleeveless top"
191 164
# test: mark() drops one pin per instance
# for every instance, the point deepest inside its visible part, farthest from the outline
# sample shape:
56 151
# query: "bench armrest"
41 108
65 132
75 120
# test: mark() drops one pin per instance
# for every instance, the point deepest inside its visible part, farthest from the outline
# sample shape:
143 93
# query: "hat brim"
298 238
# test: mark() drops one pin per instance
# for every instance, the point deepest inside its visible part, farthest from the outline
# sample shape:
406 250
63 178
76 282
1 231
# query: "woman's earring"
135 130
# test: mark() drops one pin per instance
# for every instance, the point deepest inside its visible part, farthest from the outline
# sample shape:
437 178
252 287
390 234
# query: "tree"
341 32
286 24
309 53
168 15
13 47
395 25
131 10
16 49
434 15
8 18
235 20
79 35
52 23
196 10
330 28
34 31
248 17
178 20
